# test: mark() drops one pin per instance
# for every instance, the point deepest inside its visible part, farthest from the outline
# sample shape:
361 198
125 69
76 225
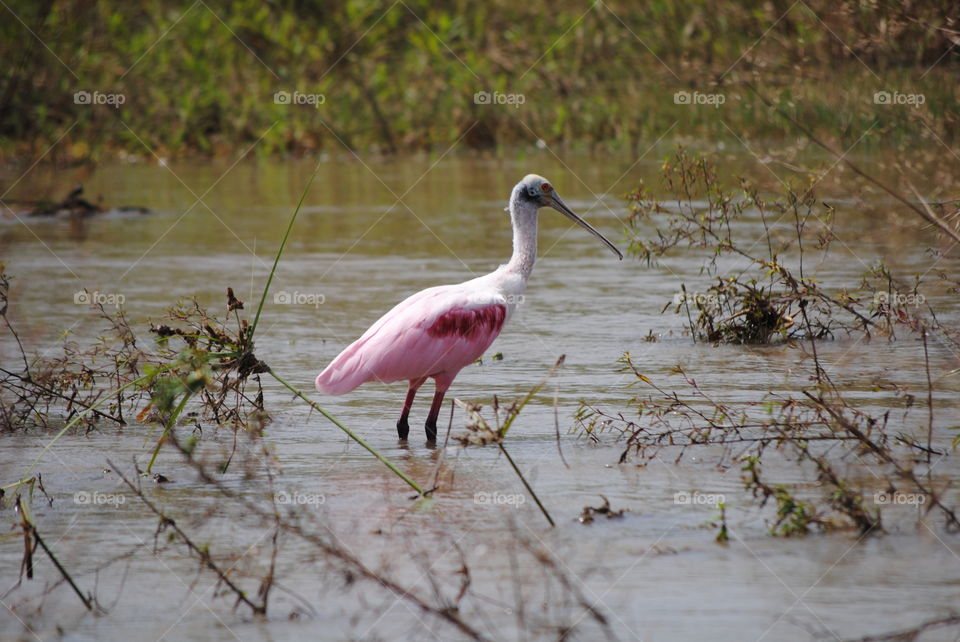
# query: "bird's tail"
343 374
331 385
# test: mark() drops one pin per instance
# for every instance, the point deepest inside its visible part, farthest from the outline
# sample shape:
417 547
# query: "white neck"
523 215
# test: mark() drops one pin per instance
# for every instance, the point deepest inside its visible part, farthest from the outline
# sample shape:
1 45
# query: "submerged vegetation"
98 78
151 384
779 298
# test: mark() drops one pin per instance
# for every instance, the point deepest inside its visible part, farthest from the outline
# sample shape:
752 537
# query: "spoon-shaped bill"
556 203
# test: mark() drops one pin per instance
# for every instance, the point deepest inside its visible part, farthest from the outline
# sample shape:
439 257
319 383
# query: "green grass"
200 78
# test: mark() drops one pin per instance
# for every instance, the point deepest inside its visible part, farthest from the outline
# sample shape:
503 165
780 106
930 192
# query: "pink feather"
434 333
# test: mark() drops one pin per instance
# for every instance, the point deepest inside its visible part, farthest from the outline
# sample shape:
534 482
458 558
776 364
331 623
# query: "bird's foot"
403 428
431 428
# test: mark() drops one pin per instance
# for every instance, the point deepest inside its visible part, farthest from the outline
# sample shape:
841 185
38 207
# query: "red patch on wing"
467 324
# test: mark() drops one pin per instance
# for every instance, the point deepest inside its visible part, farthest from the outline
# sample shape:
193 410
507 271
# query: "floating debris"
75 206
588 512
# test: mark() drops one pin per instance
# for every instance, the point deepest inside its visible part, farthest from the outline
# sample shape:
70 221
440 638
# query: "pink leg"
443 384
403 428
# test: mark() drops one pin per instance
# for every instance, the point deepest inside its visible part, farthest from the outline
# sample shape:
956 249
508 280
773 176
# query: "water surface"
370 234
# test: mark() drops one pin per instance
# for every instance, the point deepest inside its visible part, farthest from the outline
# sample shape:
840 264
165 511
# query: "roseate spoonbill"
438 331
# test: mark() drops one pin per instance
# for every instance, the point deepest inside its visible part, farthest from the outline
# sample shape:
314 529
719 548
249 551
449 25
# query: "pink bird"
437 332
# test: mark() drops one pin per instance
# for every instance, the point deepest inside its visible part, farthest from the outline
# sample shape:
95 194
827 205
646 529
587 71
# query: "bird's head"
538 191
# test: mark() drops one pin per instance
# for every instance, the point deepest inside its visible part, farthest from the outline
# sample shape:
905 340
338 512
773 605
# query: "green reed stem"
276 259
290 387
171 422
524 480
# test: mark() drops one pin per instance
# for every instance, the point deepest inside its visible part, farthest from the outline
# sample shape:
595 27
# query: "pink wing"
434 333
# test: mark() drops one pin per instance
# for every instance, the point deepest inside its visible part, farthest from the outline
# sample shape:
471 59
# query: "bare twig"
201 552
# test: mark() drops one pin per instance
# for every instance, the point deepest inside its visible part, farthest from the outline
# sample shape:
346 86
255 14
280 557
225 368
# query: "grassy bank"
94 79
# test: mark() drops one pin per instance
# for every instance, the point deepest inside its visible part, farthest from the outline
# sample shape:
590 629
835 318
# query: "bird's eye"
545 187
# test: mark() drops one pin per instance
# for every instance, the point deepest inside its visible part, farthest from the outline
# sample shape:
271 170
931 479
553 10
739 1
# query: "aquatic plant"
770 301
777 299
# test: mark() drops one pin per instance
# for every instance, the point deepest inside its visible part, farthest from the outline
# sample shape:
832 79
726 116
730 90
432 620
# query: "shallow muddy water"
369 235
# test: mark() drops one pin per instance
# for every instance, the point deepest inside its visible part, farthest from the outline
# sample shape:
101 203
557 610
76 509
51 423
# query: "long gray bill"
556 203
